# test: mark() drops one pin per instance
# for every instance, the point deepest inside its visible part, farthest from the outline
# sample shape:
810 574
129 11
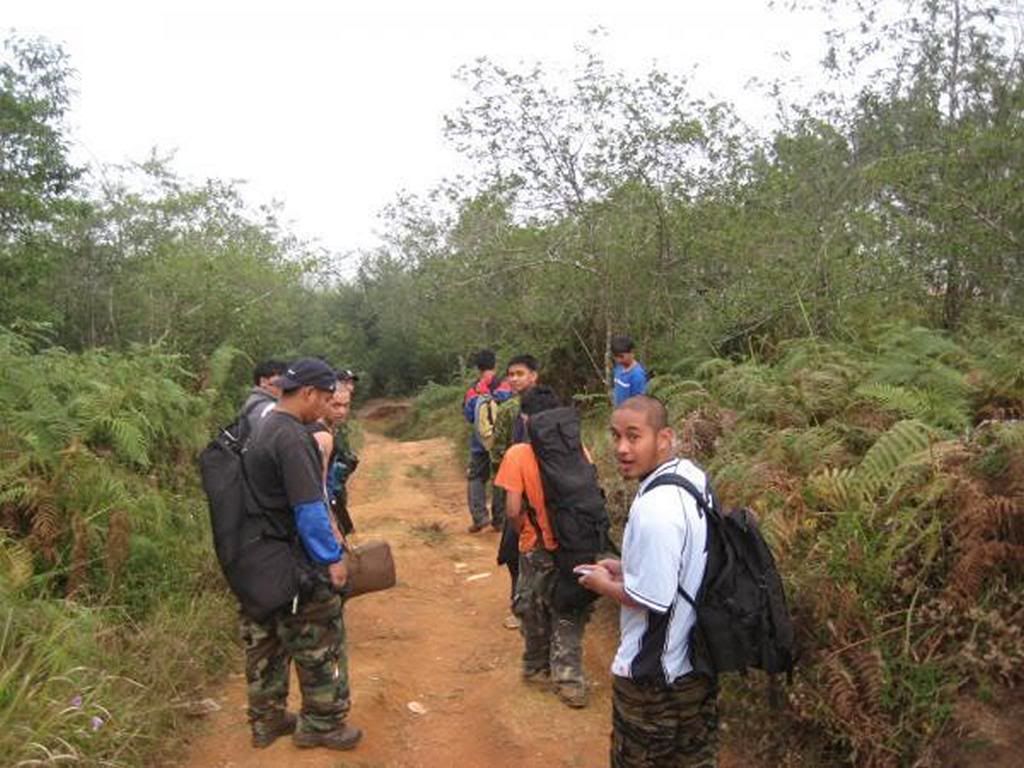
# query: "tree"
36 177
596 164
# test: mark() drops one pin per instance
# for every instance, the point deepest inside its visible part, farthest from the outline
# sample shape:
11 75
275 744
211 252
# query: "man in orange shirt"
553 652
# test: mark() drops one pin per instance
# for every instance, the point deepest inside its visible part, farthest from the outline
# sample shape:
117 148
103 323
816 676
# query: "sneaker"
511 622
343 737
271 730
476 527
573 694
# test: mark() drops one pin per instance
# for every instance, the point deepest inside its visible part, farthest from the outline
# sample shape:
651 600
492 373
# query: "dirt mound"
385 410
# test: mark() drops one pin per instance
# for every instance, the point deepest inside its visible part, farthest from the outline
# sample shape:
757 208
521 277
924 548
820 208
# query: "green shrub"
113 613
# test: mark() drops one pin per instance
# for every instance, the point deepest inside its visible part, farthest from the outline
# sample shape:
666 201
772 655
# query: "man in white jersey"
663 714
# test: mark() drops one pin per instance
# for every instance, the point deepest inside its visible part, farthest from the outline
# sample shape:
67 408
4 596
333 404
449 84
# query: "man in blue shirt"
629 377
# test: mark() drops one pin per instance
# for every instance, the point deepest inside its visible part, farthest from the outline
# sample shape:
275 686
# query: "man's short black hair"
651 407
621 344
485 360
527 361
539 399
268 369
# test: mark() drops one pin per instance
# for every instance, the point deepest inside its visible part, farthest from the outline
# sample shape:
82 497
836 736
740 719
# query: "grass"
421 471
436 411
433 534
380 473
95 688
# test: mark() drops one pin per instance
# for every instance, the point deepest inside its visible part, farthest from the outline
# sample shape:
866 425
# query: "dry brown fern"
841 692
1005 517
976 563
865 665
1002 409
45 528
118 544
78 573
853 694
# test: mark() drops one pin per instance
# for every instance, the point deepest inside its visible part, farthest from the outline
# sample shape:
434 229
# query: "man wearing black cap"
284 472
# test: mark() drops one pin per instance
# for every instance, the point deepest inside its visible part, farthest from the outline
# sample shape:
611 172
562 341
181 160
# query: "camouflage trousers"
665 727
553 641
314 638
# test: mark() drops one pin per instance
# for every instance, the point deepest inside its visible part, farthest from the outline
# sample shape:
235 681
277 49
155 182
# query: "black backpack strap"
242 422
531 516
703 506
671 478
253 406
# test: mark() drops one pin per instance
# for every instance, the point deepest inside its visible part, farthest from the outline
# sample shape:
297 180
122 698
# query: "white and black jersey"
663 548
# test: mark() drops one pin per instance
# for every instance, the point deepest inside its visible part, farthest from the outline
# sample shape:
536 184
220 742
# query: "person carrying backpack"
664 713
552 635
481 399
263 395
510 429
284 479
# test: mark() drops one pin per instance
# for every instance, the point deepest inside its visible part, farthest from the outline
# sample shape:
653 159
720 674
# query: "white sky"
334 107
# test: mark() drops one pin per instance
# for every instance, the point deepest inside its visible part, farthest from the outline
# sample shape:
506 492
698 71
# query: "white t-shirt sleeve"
652 556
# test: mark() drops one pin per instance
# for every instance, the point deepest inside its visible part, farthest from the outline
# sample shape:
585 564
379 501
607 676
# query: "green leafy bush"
112 611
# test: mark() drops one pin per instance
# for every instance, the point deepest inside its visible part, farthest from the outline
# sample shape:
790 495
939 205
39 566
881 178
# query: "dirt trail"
436 639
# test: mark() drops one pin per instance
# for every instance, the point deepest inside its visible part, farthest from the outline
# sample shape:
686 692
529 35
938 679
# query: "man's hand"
596 578
613 566
338 573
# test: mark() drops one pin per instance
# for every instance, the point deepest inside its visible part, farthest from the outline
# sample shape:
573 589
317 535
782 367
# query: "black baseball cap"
308 372
347 374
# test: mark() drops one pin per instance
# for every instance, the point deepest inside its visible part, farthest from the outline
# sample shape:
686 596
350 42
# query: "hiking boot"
573 694
269 731
511 622
540 677
344 736
476 527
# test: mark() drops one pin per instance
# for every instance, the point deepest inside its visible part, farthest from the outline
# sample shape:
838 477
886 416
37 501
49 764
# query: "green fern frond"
1010 435
129 441
901 446
806 449
713 368
837 487
221 362
909 402
15 564
679 395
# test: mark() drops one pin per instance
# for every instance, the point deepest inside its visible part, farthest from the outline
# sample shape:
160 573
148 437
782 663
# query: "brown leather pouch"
371 568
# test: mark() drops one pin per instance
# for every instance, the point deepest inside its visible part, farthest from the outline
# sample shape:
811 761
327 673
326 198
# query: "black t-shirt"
283 466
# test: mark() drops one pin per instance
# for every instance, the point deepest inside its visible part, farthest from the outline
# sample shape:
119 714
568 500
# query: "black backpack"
262 561
574 500
742 618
